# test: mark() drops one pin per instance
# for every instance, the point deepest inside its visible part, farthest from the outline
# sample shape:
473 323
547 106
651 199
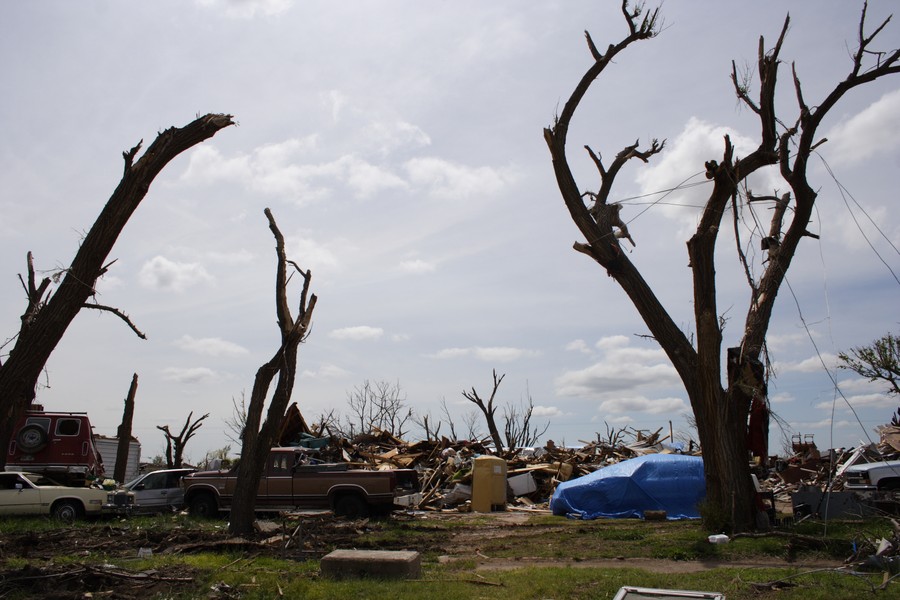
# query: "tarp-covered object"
670 482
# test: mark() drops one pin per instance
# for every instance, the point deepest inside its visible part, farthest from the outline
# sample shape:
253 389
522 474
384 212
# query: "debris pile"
446 466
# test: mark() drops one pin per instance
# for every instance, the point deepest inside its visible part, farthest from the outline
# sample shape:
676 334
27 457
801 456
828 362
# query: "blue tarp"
670 482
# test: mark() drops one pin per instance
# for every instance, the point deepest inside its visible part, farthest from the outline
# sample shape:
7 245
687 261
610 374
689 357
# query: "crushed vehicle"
159 491
36 494
59 445
670 483
292 480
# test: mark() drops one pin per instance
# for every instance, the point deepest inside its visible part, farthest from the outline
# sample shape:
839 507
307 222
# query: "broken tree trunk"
45 321
124 432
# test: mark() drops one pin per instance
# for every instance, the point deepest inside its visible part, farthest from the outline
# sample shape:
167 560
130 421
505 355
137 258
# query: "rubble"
446 467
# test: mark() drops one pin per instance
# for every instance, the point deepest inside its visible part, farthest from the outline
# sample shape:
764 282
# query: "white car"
159 491
33 494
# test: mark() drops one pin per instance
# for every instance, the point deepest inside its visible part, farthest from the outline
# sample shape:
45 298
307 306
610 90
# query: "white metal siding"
109 446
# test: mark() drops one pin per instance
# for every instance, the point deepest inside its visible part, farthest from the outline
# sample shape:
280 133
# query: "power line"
844 193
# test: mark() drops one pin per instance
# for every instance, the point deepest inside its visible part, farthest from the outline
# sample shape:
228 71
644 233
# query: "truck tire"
31 438
67 511
203 506
351 506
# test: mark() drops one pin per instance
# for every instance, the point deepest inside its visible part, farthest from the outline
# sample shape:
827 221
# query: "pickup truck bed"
288 484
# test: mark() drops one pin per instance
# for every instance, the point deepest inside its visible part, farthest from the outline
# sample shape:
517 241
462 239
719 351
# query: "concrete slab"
390 564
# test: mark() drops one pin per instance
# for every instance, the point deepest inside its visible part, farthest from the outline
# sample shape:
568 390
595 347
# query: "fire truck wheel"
32 438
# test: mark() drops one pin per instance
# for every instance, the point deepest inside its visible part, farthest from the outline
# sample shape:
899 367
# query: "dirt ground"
456 536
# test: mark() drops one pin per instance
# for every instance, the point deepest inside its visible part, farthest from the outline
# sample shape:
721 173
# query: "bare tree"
48 314
378 405
238 420
489 410
259 436
518 428
471 420
722 412
450 423
175 444
426 422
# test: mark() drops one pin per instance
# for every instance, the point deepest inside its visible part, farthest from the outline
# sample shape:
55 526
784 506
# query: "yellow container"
488 484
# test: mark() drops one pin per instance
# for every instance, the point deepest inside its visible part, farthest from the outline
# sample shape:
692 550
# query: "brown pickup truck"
291 482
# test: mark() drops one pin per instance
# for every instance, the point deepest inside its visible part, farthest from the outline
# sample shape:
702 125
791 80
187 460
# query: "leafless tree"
175 444
471 420
488 409
448 419
378 405
259 436
722 412
518 428
235 424
426 422
613 437
48 313
327 424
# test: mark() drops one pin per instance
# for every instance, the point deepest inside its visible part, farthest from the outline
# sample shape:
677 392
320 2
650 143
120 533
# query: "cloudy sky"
399 146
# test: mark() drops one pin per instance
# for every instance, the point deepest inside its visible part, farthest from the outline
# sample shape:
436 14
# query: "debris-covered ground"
106 560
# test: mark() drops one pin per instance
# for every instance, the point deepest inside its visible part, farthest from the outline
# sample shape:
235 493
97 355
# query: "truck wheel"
32 438
890 484
203 506
351 506
67 511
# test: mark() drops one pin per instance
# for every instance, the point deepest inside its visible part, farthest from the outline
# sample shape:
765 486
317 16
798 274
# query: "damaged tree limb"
47 315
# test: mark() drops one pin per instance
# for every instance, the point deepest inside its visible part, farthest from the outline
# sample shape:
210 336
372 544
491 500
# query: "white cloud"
401 337
326 371
316 256
545 411
189 374
388 137
451 353
335 101
781 398
283 170
777 342
248 9
444 179
874 130
417 266
238 257
503 354
578 346
160 273
823 424
360 332
813 364
500 40
620 369
641 404
210 346
683 162
874 400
